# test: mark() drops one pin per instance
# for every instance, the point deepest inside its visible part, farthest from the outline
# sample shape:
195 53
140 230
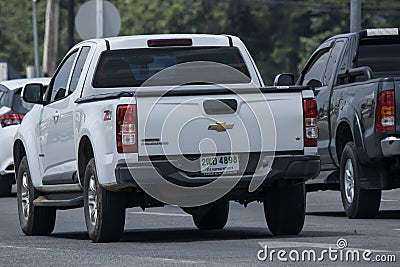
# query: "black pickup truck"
356 80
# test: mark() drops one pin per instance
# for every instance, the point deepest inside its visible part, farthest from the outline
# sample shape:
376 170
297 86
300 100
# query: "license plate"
211 165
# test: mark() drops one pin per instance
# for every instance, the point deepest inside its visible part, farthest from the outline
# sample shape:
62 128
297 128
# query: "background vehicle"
356 78
12 111
109 113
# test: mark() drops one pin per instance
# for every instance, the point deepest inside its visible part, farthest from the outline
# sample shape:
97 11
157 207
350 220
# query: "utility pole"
35 40
99 19
71 16
51 37
355 15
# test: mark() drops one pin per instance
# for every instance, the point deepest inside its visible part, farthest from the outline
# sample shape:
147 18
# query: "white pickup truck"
145 121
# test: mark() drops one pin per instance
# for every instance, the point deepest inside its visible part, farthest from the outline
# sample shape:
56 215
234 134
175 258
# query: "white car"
12 111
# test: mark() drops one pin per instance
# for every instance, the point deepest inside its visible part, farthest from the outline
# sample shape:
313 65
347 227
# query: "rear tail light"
10 118
310 122
127 129
385 111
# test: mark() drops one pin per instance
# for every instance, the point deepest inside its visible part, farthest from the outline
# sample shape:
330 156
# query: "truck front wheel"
33 220
104 210
285 209
357 202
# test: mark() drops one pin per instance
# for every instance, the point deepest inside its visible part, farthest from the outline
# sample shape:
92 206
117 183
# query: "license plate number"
211 165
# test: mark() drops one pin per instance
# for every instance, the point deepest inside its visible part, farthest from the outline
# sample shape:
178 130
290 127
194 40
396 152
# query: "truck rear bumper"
286 168
390 146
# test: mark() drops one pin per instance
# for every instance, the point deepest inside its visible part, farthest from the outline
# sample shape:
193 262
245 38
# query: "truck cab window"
332 62
317 69
59 83
78 68
381 56
1 96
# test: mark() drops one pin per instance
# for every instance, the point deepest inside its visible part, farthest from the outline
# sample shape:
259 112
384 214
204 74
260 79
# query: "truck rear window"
133 67
381 55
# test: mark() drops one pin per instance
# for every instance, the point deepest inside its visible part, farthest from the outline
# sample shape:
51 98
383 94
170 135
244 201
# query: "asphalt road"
167 237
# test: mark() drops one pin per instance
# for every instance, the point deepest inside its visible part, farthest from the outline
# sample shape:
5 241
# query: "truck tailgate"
226 123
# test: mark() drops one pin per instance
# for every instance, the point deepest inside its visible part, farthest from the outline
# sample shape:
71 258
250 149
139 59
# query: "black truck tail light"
10 118
310 122
127 129
385 119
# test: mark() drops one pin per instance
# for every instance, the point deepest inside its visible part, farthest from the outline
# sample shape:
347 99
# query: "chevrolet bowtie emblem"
221 126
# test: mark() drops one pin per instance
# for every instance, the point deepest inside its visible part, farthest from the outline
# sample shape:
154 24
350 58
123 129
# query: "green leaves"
280 35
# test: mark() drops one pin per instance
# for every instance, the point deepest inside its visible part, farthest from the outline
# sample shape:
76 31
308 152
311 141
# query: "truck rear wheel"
5 185
357 202
33 220
104 210
214 219
285 209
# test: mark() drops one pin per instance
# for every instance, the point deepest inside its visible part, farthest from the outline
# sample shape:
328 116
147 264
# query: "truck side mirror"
33 93
284 79
314 83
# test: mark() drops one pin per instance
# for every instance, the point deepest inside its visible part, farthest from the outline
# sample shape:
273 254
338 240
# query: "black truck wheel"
215 218
285 208
6 185
104 210
357 202
33 220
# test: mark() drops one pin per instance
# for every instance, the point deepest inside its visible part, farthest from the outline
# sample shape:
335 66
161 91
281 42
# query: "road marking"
19 247
160 213
171 260
276 244
390 200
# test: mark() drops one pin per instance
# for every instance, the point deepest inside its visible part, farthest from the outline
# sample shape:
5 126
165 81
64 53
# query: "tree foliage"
279 34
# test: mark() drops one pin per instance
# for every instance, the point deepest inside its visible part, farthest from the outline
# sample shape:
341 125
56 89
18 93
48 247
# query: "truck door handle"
56 116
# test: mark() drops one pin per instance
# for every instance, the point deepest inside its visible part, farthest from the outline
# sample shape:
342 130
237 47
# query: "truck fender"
371 174
100 138
349 117
30 145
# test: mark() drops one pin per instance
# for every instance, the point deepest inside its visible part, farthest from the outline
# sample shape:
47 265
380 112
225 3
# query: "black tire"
285 209
215 218
107 222
5 185
33 220
361 203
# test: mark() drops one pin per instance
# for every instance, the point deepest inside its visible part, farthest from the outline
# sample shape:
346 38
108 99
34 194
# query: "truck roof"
141 41
379 32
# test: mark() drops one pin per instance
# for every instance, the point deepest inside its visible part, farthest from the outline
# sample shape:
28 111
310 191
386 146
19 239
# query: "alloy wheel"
349 181
92 200
25 202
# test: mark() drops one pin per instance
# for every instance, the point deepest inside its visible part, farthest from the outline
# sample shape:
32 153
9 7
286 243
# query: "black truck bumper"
292 168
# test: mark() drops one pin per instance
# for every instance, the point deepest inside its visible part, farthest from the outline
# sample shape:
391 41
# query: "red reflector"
126 133
10 168
385 112
10 118
169 42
